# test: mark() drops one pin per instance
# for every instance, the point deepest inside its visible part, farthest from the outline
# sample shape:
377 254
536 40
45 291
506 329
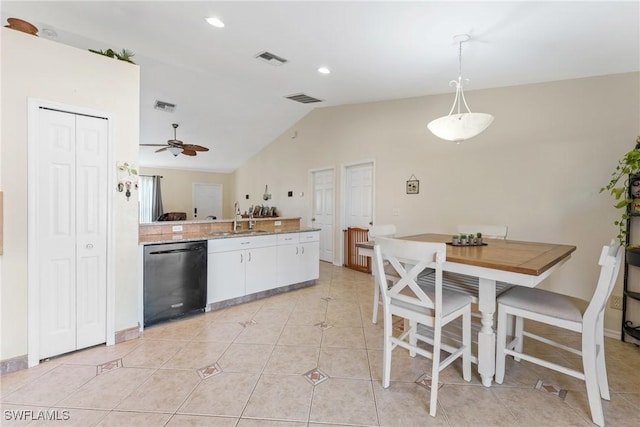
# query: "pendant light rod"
460 126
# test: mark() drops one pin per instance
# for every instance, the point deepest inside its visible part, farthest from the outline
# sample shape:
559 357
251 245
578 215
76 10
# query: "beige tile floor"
245 366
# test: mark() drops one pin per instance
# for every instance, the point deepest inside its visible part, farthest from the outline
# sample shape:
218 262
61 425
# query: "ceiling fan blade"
153 145
162 149
196 147
188 152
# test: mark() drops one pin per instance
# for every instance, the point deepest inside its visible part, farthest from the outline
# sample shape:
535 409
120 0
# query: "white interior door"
359 195
91 230
323 211
71 217
207 200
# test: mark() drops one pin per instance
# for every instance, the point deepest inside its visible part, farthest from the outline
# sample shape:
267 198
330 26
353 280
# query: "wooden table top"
509 255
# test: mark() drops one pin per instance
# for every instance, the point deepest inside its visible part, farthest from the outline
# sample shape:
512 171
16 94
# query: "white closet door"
91 230
359 195
323 196
71 228
56 232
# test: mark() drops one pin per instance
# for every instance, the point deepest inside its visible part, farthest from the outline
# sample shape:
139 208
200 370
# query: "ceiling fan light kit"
175 146
460 126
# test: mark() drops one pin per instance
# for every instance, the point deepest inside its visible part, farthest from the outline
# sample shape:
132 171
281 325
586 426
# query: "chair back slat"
610 260
385 230
409 259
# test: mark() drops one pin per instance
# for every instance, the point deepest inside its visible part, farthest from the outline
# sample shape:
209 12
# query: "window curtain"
150 198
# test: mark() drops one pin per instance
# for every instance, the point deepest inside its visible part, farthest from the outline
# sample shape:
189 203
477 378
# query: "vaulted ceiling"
235 104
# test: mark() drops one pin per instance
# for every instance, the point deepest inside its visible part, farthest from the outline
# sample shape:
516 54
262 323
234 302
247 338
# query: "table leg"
486 336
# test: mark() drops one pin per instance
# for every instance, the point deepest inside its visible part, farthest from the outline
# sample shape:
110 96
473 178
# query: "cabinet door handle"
296 250
303 250
241 259
249 258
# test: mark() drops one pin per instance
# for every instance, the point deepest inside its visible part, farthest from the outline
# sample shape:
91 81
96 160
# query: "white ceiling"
234 104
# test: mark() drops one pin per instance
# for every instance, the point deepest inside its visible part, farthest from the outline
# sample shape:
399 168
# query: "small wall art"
413 185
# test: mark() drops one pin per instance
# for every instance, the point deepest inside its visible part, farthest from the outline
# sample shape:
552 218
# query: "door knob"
313 219
89 246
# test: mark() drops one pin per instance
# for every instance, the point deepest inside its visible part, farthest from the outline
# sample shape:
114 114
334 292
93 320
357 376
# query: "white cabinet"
240 266
298 257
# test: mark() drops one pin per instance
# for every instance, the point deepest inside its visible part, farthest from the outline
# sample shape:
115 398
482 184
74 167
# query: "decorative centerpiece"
20 25
467 240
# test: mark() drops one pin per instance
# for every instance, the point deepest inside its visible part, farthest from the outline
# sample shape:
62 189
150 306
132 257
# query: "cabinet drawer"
309 236
243 242
288 239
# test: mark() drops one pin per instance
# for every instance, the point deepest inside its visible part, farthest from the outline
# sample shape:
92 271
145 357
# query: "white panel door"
323 211
71 194
91 230
56 219
359 195
207 200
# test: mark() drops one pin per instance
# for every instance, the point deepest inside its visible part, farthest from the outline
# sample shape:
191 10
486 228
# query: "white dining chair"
385 230
432 307
560 311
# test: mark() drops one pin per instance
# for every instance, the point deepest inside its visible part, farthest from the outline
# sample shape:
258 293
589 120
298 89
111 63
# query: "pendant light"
460 126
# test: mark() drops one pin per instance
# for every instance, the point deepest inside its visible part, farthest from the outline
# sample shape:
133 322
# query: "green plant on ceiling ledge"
124 55
620 188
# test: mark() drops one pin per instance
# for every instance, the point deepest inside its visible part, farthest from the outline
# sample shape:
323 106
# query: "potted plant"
478 238
124 55
623 178
455 240
463 239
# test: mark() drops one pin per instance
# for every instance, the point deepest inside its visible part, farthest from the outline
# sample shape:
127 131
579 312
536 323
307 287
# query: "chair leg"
466 341
589 365
435 367
386 357
413 341
501 343
520 342
601 365
376 301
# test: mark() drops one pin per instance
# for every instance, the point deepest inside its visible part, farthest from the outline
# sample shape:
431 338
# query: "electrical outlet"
615 302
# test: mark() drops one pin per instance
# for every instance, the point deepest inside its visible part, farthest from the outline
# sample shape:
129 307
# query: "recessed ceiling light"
215 21
324 70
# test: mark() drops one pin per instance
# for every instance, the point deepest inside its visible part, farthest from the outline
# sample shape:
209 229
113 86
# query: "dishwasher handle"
175 251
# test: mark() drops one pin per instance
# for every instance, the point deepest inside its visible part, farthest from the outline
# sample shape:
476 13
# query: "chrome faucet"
236 212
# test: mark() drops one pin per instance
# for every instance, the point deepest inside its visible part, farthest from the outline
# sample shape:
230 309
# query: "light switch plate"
277 223
176 228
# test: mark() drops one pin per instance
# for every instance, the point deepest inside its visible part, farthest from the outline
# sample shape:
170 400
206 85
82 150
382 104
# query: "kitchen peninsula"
241 264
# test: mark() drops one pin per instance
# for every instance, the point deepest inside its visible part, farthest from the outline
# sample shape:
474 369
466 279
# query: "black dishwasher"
175 280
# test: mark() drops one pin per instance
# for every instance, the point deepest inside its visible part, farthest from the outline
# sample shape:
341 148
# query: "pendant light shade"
460 126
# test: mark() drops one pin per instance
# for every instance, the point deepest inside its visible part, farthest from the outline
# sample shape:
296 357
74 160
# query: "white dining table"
509 261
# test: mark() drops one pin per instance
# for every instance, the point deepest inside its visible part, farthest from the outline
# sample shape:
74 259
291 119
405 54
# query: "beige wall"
538 168
177 185
39 68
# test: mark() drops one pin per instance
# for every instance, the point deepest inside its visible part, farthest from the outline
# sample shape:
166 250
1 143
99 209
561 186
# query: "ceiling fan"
175 146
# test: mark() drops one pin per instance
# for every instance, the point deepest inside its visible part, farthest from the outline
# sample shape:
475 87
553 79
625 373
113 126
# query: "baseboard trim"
14 364
127 334
612 333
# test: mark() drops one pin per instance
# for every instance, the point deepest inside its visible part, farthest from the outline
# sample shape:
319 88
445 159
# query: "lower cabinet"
240 266
298 257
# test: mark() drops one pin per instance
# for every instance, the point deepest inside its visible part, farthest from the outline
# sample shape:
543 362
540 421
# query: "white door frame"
33 298
343 207
333 211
